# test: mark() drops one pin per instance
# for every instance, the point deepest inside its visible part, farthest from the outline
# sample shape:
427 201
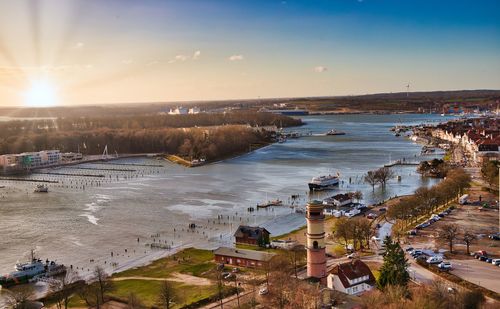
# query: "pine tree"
394 270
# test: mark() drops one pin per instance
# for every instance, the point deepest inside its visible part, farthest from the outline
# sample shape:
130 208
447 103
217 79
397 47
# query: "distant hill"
379 102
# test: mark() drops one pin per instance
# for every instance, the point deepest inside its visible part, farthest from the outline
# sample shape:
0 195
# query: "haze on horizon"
110 51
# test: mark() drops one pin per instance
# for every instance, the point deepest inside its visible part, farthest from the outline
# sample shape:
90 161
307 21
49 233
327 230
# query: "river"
79 220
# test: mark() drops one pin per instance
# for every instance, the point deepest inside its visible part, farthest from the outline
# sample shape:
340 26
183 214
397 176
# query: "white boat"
323 182
335 132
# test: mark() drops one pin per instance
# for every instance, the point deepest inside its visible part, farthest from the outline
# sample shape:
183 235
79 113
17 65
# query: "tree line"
12 129
426 200
210 143
356 231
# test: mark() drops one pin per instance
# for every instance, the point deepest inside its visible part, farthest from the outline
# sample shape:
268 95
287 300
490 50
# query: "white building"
179 111
351 278
194 110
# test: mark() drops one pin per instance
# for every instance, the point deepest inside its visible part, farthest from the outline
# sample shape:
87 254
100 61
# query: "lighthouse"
316 254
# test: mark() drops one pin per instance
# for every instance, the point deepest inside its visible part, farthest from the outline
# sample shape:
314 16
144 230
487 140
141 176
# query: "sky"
111 51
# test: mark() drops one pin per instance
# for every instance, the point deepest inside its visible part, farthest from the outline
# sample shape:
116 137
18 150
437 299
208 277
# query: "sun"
41 93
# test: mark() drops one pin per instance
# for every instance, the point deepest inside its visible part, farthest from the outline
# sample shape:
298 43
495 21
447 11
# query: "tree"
19 298
371 179
133 302
90 293
103 281
357 195
382 175
297 255
167 295
394 270
489 170
280 287
63 288
468 238
343 230
449 233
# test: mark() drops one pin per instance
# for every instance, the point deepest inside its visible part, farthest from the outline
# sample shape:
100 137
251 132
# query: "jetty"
401 163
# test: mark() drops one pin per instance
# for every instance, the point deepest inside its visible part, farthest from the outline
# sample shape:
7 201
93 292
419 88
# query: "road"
481 273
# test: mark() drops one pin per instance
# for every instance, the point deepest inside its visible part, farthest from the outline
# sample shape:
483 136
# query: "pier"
70 174
401 163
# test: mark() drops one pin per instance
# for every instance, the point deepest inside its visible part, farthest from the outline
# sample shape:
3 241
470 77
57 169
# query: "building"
179 111
316 253
242 257
194 110
250 235
351 278
15 163
342 199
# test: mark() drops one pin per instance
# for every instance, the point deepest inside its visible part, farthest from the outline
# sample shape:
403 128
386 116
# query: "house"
242 257
351 278
339 200
250 235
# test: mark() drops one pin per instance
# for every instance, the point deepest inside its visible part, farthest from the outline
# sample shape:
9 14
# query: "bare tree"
103 281
64 287
90 293
449 232
382 175
371 179
167 295
19 298
297 255
358 195
468 238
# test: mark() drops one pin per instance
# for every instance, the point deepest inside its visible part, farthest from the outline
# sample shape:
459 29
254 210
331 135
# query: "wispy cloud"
320 69
236 58
196 55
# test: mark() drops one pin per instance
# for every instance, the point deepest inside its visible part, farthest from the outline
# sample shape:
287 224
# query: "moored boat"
24 272
335 132
323 182
276 202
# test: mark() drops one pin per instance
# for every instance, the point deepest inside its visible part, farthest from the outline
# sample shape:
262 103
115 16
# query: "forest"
209 136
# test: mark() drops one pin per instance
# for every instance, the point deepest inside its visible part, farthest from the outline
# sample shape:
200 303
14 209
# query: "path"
176 277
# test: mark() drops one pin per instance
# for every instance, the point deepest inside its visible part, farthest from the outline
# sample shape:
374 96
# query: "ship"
26 272
41 189
276 202
335 132
323 182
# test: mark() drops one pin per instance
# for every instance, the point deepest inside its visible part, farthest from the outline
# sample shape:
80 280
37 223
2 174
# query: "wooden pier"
401 163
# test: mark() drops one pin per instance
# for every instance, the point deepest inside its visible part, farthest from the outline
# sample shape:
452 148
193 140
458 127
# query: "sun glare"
41 94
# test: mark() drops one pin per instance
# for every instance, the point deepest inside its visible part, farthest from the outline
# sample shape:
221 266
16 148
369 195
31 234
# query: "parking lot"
481 273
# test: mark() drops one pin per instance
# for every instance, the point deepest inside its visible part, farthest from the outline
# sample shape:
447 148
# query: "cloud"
320 69
179 58
236 58
196 55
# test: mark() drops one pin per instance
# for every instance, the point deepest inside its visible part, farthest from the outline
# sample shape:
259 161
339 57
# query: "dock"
401 163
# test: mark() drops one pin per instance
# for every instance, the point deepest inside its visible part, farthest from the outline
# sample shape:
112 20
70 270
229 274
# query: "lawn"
147 292
196 262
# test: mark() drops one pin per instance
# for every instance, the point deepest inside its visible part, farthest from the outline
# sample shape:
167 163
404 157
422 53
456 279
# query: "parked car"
375 238
495 262
421 257
382 209
480 252
436 259
494 236
352 255
409 250
416 253
489 260
435 217
442 214
425 224
482 258
412 232
371 216
445 265
235 270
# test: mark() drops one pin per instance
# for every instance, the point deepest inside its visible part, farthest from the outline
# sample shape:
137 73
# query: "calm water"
74 225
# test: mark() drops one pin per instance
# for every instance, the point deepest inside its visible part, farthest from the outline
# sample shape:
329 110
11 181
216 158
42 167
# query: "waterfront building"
351 278
316 251
194 110
251 235
242 257
13 163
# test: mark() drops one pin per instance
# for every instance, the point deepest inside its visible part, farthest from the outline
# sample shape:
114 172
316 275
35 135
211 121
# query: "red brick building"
257 236
242 257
